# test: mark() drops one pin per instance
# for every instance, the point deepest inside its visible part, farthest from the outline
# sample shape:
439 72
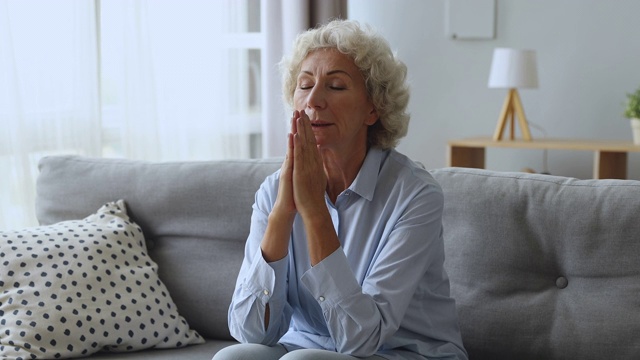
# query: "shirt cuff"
267 280
331 280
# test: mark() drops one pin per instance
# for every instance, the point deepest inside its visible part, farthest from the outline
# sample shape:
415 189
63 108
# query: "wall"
588 54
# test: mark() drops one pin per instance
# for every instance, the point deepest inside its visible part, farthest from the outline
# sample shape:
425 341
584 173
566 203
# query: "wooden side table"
610 157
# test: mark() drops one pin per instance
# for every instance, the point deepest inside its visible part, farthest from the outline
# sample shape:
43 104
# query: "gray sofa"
541 267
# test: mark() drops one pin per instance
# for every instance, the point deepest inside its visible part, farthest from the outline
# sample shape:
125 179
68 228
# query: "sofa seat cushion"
543 267
198 352
81 286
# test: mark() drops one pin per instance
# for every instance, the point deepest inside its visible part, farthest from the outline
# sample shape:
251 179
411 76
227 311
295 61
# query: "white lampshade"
512 68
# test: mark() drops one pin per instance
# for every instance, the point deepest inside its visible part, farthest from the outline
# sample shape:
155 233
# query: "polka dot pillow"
79 287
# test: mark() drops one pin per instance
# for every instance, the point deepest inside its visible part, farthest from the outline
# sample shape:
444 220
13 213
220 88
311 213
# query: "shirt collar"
367 178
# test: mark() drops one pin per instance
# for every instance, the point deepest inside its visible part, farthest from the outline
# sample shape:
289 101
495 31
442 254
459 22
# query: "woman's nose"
316 97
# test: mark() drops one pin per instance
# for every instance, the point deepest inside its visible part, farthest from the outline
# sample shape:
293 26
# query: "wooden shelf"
610 156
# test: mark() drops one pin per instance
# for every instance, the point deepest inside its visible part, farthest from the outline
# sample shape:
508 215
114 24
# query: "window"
153 80
190 70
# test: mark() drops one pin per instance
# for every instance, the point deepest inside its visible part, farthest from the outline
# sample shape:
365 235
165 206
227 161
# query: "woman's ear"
373 117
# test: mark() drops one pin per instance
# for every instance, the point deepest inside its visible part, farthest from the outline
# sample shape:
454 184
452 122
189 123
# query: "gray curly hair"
384 74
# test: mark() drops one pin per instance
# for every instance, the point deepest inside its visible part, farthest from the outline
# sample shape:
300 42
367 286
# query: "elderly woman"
345 254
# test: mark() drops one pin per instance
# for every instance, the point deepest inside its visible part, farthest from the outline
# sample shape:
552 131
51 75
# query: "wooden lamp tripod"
511 108
513 69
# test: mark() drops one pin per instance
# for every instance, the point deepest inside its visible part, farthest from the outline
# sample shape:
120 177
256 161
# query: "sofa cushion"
200 352
77 287
543 267
195 216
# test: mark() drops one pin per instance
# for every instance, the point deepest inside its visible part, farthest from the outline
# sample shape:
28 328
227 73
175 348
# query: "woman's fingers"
308 130
294 121
309 181
305 130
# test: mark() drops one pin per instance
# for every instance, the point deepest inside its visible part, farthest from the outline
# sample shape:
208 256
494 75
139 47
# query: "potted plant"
632 112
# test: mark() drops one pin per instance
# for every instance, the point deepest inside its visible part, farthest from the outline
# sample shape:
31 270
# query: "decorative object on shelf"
512 69
635 127
632 112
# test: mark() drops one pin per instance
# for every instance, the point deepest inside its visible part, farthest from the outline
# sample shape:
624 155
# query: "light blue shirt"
384 291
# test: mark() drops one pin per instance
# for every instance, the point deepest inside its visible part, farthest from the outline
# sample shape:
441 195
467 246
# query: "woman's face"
331 91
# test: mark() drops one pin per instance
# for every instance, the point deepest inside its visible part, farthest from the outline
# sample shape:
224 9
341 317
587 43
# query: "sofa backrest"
543 267
195 217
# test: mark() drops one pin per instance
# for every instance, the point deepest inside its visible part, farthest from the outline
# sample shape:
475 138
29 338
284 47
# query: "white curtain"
159 80
170 89
48 95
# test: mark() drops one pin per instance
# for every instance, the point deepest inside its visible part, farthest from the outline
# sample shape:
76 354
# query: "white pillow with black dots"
78 287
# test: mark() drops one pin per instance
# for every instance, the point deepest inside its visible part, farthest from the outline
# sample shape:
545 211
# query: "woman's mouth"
318 124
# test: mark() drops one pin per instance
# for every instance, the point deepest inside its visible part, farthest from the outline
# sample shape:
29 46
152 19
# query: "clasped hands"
302 188
302 178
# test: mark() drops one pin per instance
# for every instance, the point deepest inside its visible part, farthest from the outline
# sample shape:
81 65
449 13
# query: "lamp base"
511 108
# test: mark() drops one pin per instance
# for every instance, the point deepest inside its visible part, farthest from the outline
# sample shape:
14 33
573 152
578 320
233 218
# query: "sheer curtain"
157 80
173 87
48 95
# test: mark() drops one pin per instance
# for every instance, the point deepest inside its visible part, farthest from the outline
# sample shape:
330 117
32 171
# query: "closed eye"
305 85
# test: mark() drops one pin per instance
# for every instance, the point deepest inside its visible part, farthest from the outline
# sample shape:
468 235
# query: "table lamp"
512 69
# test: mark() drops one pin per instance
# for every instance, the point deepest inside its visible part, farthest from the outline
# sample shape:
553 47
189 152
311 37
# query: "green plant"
632 110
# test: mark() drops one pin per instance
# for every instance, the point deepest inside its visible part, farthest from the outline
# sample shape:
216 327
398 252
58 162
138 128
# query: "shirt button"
266 292
562 282
321 298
